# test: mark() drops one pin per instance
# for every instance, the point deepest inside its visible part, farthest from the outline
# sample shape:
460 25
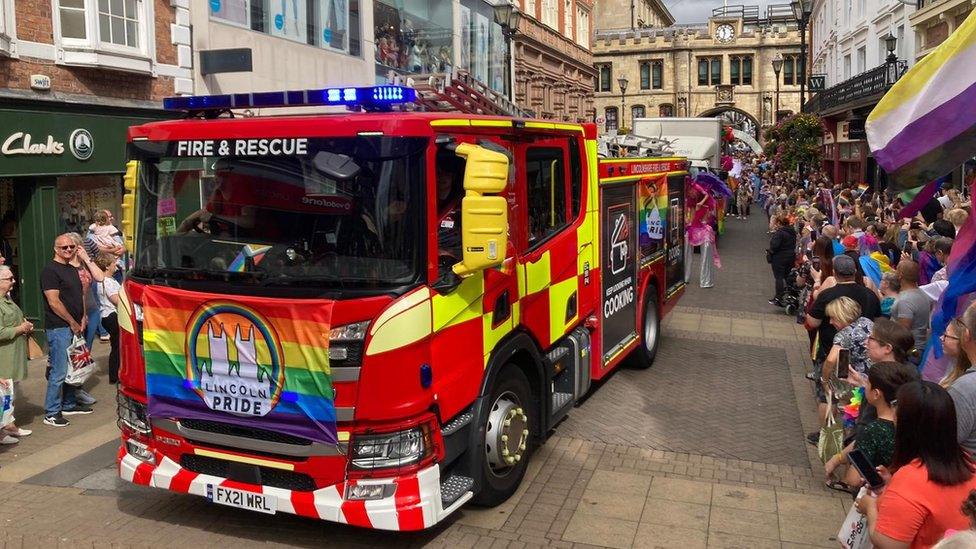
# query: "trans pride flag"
926 124
261 363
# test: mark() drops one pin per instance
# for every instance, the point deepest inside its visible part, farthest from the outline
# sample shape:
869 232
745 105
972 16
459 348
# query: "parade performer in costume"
699 231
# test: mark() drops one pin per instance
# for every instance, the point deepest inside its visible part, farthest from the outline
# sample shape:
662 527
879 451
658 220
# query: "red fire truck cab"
373 318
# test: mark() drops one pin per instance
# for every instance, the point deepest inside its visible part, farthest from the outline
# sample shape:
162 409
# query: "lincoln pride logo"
234 359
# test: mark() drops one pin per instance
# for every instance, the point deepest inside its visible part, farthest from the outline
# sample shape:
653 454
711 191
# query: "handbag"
80 363
769 256
34 350
831 434
853 532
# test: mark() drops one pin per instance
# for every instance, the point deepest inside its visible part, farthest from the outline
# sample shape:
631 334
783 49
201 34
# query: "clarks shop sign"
38 143
80 143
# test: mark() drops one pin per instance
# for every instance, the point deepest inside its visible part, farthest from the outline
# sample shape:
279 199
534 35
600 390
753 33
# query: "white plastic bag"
80 363
6 402
854 532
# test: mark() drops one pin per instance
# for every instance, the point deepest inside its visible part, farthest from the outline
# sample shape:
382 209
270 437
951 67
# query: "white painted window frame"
8 29
93 52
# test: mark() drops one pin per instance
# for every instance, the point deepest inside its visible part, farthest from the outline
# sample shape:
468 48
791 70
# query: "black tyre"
790 309
508 424
643 355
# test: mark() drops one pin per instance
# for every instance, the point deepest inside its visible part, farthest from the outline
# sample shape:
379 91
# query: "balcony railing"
866 85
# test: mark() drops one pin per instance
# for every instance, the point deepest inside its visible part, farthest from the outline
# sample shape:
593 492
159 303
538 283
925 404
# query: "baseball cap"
844 265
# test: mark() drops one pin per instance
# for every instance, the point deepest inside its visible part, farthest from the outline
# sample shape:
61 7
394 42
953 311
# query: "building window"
550 13
666 110
583 28
637 111
328 24
740 70
651 75
604 77
862 59
568 19
791 70
847 66
611 118
545 175
709 71
118 26
530 7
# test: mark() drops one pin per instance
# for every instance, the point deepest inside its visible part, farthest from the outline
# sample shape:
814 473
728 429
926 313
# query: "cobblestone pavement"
705 449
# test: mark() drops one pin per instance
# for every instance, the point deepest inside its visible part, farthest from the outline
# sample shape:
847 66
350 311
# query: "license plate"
242 499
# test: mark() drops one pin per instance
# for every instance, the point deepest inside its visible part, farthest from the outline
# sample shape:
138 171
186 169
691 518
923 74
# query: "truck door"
548 269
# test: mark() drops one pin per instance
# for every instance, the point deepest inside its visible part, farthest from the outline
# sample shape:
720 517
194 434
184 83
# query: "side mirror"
484 219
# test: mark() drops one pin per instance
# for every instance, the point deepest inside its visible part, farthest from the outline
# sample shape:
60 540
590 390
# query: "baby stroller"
791 297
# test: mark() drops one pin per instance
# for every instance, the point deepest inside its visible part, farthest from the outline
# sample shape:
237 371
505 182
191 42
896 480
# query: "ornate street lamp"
801 12
891 62
777 67
507 16
622 82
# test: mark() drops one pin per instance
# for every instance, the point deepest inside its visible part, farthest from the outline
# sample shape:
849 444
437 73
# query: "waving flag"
926 123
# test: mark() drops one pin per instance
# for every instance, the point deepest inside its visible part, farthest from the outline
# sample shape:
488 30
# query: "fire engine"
373 317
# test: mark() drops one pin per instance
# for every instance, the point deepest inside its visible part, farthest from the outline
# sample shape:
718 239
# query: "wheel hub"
507 434
650 327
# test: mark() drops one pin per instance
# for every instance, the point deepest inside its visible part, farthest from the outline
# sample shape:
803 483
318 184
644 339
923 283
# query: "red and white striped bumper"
414 505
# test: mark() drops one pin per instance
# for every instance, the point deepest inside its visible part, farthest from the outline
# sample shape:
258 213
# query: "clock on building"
725 33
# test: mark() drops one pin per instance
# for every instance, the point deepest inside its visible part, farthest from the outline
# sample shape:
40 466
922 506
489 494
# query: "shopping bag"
831 434
80 363
854 532
6 402
34 350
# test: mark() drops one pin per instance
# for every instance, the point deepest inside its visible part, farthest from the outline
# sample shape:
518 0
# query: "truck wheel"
508 426
643 356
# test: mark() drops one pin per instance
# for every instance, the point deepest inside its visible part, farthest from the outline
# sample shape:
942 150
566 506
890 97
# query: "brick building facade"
74 76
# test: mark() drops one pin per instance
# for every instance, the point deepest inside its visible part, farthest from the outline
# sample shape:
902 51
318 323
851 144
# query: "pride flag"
261 363
926 124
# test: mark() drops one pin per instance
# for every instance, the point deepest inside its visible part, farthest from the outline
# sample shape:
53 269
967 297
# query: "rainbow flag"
261 363
926 124
254 251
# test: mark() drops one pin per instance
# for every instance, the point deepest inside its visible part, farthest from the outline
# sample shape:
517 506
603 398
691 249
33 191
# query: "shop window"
328 24
604 79
709 71
111 25
666 110
740 70
416 37
610 113
637 111
546 192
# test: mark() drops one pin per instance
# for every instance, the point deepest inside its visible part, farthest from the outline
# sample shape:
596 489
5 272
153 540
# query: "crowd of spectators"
863 271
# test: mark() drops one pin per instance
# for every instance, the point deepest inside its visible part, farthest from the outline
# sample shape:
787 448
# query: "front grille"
244 432
270 476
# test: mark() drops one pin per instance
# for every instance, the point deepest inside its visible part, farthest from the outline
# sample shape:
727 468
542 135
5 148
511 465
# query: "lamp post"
777 67
622 82
507 16
891 62
801 11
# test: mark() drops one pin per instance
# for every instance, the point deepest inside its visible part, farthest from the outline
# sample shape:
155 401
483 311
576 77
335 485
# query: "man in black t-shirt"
845 272
64 317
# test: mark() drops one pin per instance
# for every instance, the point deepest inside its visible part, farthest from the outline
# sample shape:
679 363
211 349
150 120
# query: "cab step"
454 487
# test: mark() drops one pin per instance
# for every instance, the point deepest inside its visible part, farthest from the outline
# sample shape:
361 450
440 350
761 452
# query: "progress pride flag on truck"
239 360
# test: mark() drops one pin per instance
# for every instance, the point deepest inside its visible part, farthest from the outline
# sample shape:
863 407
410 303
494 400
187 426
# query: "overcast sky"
698 11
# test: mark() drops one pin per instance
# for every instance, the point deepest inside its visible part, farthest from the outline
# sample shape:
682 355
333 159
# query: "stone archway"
737 118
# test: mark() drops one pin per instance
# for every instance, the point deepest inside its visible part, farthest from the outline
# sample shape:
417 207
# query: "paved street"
705 449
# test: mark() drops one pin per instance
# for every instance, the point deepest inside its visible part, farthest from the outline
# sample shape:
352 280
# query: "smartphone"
843 364
866 469
907 248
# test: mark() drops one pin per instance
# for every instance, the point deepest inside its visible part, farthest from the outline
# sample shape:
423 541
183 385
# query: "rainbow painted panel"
262 364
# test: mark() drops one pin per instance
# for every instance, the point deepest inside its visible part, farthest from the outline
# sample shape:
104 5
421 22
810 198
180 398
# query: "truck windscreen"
324 212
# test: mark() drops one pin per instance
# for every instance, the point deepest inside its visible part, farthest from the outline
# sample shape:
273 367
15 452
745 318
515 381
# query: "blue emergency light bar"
369 98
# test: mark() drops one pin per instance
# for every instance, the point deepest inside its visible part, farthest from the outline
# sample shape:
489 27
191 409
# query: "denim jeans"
58 340
94 315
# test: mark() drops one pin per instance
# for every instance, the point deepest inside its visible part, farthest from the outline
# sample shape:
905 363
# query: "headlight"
132 414
390 449
350 332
